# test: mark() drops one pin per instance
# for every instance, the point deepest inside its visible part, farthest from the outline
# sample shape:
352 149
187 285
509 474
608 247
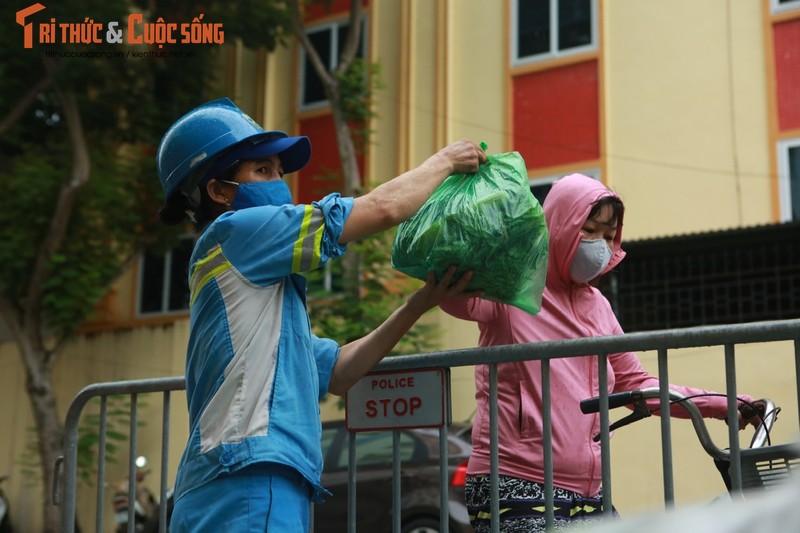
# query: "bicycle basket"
769 466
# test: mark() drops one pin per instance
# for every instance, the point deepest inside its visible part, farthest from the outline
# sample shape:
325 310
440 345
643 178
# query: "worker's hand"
464 156
435 292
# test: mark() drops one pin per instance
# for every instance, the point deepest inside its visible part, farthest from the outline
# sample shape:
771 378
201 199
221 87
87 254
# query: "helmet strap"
193 204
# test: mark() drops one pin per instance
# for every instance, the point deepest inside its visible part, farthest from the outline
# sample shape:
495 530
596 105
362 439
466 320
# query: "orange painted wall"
322 175
318 10
787 73
556 115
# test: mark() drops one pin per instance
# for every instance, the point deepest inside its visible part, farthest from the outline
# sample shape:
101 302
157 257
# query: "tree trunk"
352 187
39 385
344 135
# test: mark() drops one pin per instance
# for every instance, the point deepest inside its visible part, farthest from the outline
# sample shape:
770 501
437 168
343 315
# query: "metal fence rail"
662 342
64 493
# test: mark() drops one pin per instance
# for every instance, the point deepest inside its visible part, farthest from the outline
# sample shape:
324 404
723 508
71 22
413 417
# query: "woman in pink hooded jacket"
585 223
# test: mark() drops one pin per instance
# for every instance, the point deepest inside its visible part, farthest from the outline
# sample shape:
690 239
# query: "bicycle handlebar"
638 398
615 399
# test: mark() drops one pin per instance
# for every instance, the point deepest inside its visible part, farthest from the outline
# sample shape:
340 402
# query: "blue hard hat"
208 134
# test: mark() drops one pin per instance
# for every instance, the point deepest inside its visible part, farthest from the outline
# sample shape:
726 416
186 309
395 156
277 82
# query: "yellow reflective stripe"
206 269
305 253
316 257
297 255
201 264
205 279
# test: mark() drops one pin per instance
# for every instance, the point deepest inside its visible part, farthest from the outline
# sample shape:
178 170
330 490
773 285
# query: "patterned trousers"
522 508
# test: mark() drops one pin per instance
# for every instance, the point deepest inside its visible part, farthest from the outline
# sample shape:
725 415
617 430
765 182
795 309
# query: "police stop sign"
402 399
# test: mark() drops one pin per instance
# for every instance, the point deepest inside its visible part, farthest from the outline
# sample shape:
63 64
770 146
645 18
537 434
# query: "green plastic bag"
487 222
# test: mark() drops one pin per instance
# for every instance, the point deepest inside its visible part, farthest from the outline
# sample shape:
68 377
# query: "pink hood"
566 208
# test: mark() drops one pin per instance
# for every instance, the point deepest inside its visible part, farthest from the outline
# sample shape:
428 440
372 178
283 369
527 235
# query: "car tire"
421 525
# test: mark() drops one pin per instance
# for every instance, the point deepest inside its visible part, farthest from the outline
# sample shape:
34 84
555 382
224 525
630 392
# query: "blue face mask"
260 193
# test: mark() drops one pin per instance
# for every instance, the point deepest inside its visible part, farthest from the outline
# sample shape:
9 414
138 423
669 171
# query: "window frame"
550 179
554 52
785 180
333 27
777 7
166 279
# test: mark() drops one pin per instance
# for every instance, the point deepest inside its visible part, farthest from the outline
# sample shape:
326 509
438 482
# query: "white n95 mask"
590 260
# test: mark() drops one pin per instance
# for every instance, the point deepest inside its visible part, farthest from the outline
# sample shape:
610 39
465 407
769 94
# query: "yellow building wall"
685 108
686 123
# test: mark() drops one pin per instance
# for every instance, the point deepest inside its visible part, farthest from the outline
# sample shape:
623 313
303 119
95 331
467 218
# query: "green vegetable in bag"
487 222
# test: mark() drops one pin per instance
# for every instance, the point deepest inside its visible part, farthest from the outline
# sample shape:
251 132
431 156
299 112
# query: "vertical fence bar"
666 429
101 464
351 482
605 445
547 435
162 499
69 478
797 374
132 465
444 481
733 420
396 488
494 469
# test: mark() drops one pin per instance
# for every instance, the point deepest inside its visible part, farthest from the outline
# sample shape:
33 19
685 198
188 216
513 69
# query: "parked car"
419 484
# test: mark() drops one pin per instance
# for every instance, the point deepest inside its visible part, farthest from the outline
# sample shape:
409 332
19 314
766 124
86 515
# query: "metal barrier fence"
65 492
728 336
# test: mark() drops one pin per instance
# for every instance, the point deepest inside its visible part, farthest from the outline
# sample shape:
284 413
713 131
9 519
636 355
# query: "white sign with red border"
399 399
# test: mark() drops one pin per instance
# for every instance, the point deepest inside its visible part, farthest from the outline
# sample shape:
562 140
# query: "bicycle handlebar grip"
616 399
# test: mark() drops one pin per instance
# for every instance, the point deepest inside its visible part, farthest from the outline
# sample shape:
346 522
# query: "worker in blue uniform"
254 370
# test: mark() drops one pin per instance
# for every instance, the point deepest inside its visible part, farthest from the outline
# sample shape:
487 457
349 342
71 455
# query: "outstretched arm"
358 357
398 199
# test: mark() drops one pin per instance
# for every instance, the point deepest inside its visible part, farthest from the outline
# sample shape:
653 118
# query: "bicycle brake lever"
640 411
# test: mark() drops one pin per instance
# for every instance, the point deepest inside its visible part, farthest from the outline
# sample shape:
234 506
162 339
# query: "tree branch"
348 51
10 318
24 103
61 215
311 53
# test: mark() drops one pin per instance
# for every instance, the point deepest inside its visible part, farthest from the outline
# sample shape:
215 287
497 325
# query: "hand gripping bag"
488 222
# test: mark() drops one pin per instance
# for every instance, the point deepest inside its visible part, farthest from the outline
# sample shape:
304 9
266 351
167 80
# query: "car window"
373 448
457 445
328 436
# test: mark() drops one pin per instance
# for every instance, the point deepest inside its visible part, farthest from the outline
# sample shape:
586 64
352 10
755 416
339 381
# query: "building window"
327 41
779 6
541 186
789 179
547 29
164 280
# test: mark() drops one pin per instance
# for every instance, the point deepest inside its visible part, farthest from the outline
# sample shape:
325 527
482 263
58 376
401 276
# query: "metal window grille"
715 278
